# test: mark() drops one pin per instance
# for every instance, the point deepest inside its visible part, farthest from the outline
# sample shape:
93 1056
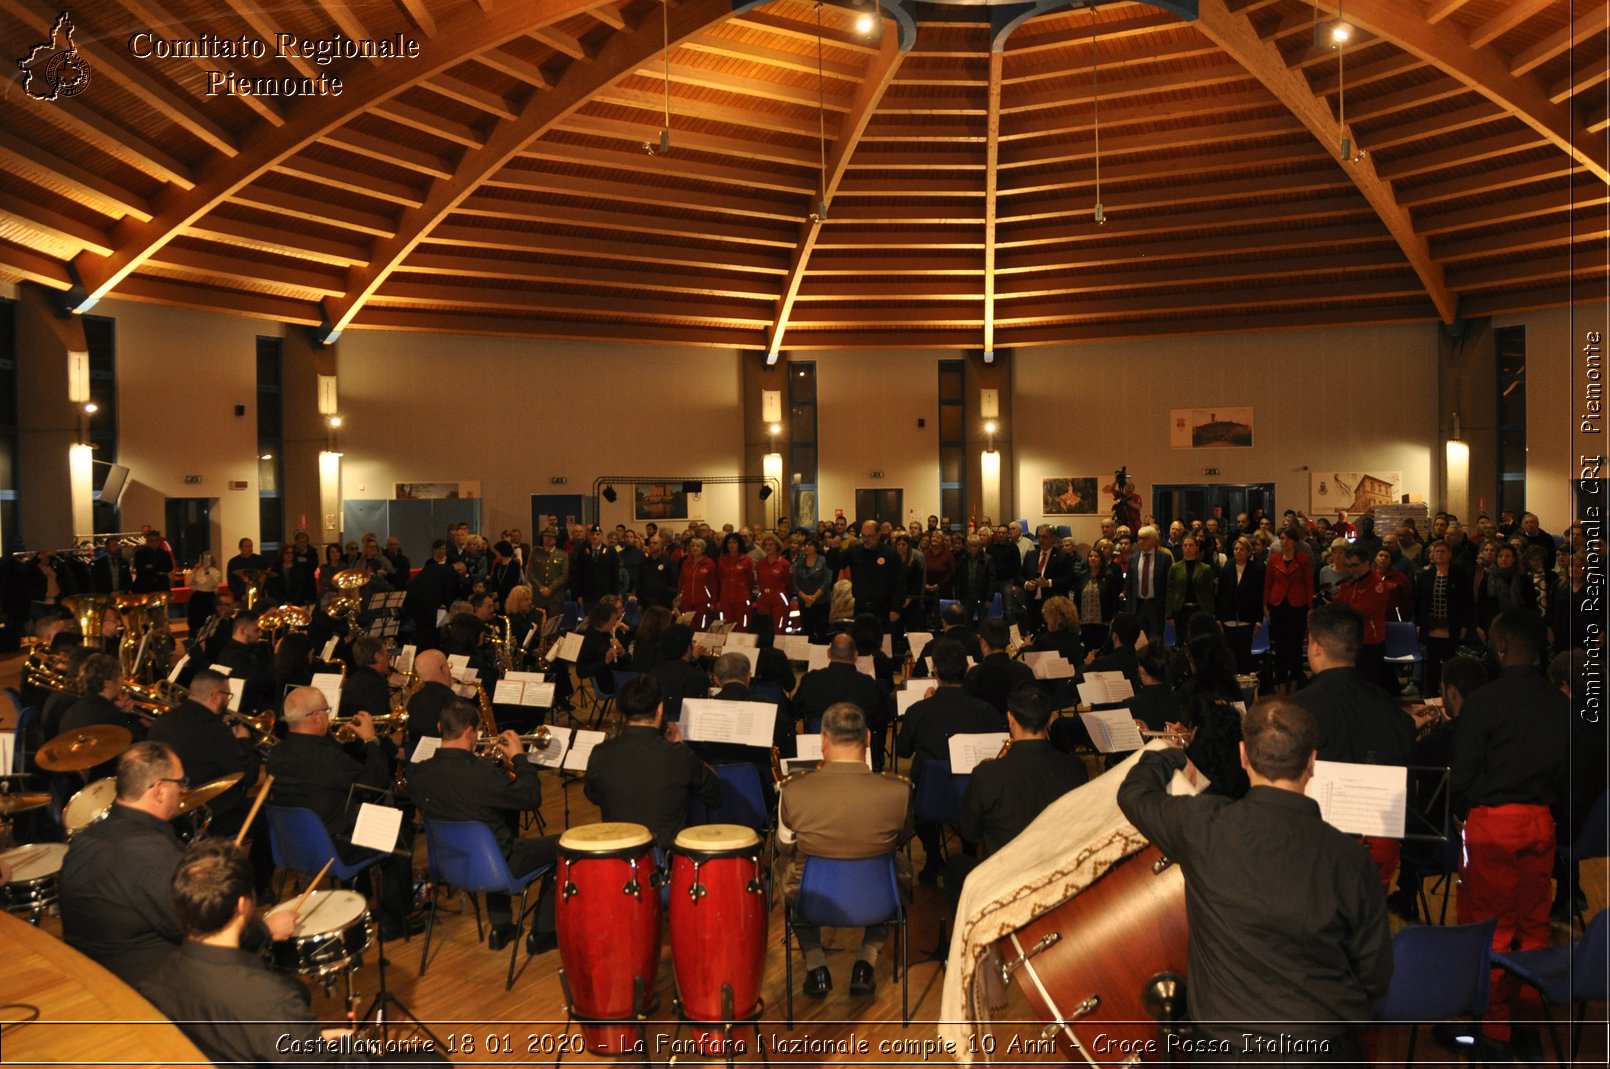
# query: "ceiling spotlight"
865 24
335 421
990 427
1340 34
90 408
266 456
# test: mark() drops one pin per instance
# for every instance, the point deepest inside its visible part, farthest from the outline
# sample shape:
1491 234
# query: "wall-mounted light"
775 429
266 456
334 421
990 427
77 377
90 408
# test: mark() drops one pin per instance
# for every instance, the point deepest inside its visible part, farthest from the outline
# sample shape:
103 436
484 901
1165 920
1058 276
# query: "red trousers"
1506 873
1385 853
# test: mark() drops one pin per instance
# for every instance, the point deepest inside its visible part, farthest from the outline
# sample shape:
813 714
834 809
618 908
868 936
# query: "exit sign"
1210 471
191 480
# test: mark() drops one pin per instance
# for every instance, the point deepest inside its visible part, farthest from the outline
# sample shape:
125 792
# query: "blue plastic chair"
1575 972
623 677
301 844
1063 530
570 619
743 800
465 854
770 692
1402 643
603 697
841 893
1438 972
1592 840
1260 639
996 607
939 796
945 603
1170 636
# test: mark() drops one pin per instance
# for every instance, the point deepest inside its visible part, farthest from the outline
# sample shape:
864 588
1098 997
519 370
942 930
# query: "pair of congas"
609 914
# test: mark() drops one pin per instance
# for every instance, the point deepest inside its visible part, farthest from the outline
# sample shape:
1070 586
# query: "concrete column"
305 432
991 489
48 424
757 379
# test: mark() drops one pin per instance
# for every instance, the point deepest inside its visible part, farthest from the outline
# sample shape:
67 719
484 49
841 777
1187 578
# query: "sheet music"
173 676
329 685
710 641
1113 730
428 745
441 617
221 669
796 647
744 723
530 637
739 638
377 827
867 665
569 648
458 664
818 658
581 748
910 695
465 691
686 619
929 662
808 749
405 659
750 653
919 641
329 648
1104 688
966 751
237 690
508 692
1361 799
538 695
554 755
8 751
888 645
1016 636
1050 665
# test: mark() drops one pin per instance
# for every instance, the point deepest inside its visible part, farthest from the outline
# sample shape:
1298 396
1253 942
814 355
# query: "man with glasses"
115 903
313 771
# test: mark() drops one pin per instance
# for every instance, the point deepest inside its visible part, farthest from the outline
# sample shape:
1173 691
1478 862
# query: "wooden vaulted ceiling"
500 183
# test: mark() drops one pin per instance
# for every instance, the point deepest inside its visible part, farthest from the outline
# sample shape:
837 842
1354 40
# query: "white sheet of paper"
554 755
910 695
797 647
808 749
966 751
465 691
457 664
919 641
867 666
744 723
8 751
329 685
1104 688
1016 635
221 669
538 695
471 675
1113 730
817 659
569 648
1361 799
1049 665
329 648
405 659
441 617
377 827
739 638
428 745
237 690
709 640
750 653
173 676
508 692
888 645
581 748
929 662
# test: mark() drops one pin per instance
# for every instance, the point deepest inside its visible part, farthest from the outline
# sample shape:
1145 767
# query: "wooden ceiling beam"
1393 65
1512 15
1487 180
1079 120
1564 264
353 181
609 329
387 150
819 316
774 58
610 14
707 258
1589 194
1141 207
1486 71
933 289
764 19
869 93
684 107
1373 109
744 86
860 265
418 14
174 293
1192 165
1207 274
96 191
1238 37
560 41
631 163
1215 299
453 87
468 32
112 138
414 117
1079 93
1183 138
26 265
1535 236
1592 23
1580 80
315 210
729 313
344 18
1231 322
1026 43
637 134
278 241
515 67
236 263
57 226
630 282
151 13
1437 10
914 186
1497 146
263 26
677 198
1391 135
671 226
992 158
1176 53
1127 221
1493 304
1238 243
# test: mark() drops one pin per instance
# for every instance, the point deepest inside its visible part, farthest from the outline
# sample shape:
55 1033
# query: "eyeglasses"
182 782
325 709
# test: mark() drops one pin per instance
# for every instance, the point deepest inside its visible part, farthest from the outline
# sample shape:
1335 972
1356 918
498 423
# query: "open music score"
237 691
569 648
428 745
918 641
458 664
173 676
1105 688
816 657
743 723
966 751
1015 636
736 639
1050 665
524 688
1361 799
796 647
867 665
1112 730
405 659
329 648
928 662
329 685
910 695
808 751
553 755
749 653
710 641
377 827
581 748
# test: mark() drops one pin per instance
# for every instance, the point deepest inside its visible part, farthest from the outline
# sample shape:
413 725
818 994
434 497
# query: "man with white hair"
1146 584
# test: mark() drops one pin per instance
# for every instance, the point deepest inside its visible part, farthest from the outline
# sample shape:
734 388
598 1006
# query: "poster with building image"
1354 492
1210 428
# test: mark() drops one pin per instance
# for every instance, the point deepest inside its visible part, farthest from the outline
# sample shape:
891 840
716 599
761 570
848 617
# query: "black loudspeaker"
117 477
693 486
610 495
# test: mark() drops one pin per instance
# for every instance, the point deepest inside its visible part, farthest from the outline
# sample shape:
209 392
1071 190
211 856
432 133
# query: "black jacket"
1004 795
641 778
116 898
837 682
457 785
928 725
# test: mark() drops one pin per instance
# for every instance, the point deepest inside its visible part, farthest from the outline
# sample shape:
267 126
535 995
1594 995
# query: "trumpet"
341 726
540 739
261 726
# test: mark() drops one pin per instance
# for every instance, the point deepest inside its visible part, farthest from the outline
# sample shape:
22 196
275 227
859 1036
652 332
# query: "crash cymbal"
17 803
75 751
197 796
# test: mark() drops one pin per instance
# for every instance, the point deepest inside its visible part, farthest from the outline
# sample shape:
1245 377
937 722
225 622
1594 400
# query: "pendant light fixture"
1095 98
664 148
820 211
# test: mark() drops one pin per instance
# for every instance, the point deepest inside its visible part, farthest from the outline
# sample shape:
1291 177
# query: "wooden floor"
463 1002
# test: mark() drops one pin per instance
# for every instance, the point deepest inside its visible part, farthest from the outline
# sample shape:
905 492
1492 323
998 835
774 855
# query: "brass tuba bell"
88 608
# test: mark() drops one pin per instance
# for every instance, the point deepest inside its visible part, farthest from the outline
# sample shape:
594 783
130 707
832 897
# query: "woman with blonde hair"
203 583
1061 633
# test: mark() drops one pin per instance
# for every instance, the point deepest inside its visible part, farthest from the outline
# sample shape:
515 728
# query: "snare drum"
608 918
332 932
718 929
35 878
1090 965
89 805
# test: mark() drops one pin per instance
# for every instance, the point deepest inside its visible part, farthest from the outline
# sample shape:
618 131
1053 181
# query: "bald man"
425 707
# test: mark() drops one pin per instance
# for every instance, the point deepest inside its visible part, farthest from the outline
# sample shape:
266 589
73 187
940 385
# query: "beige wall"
867 407
1347 398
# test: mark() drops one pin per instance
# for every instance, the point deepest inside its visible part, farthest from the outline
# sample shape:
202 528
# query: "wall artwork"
1210 428
437 491
1069 496
659 501
1353 491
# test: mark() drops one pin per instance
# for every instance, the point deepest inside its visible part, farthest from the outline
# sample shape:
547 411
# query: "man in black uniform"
427 703
455 784
312 771
646 774
996 675
431 590
110 572
153 565
842 681
1358 722
876 576
244 560
368 686
100 681
929 724
677 673
248 658
1289 944
657 577
114 881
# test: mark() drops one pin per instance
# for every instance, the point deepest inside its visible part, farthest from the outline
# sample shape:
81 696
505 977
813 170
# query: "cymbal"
16 803
84 748
198 796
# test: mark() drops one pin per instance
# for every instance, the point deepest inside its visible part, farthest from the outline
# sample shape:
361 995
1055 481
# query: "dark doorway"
880 505
558 510
189 528
1195 501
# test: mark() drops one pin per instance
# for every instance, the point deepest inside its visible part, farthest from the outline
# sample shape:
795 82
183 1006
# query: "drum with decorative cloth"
718 930
1110 961
89 805
332 932
608 919
35 879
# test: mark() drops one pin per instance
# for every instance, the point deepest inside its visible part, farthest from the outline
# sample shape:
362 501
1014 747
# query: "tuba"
254 579
88 608
277 619
346 607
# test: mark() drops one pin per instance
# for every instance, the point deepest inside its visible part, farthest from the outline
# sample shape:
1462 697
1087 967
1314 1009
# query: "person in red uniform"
774 573
697 585
1509 763
1399 591
1366 592
1288 591
735 581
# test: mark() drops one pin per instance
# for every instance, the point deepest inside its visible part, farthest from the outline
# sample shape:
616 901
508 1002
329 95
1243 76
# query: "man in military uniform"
843 810
547 571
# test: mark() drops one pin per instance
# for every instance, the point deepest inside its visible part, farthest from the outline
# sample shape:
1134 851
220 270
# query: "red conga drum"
1106 964
718 930
608 916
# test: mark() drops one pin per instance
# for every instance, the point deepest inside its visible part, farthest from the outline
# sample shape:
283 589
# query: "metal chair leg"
430 926
788 966
905 975
514 944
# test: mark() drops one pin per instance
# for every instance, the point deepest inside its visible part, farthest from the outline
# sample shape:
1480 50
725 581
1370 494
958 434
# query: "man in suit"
657 576
842 681
153 564
876 576
1047 572
925 733
996 675
646 774
842 810
426 704
1146 586
974 573
432 589
110 572
455 784
247 657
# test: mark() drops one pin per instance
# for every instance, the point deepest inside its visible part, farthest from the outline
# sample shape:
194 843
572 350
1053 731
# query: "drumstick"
297 905
257 804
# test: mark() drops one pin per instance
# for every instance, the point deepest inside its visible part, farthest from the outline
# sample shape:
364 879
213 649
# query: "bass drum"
1110 961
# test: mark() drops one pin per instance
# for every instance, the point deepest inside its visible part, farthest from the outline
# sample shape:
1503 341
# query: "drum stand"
644 1002
384 1000
728 1022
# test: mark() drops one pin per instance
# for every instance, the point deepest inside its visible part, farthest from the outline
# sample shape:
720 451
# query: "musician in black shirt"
1298 983
367 686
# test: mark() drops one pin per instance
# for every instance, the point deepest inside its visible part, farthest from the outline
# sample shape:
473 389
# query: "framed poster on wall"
659 501
1068 496
437 491
1210 428
1354 491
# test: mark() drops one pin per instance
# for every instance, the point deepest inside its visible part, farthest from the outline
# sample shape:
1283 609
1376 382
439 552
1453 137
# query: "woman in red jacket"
697 585
736 581
1288 591
775 576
